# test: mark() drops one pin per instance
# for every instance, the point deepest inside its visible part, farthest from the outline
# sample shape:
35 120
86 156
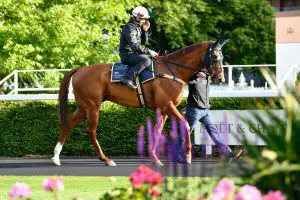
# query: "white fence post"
230 77
16 85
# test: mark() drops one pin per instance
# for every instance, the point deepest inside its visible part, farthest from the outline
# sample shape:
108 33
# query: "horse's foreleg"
172 111
64 134
92 121
158 130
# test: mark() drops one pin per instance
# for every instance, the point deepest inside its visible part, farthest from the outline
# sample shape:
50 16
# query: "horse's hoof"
159 163
111 163
56 161
188 160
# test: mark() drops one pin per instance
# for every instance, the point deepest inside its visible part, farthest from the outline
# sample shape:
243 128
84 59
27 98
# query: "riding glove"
152 53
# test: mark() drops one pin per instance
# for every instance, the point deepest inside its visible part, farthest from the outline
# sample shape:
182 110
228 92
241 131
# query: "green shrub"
31 128
277 167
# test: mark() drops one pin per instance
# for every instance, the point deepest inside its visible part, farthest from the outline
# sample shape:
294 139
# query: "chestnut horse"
92 86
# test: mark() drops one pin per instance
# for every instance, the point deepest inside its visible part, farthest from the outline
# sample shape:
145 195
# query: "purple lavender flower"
174 131
140 143
183 133
150 135
174 134
226 129
162 142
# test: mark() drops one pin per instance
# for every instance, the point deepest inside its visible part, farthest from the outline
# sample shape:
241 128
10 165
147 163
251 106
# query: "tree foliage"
248 24
42 34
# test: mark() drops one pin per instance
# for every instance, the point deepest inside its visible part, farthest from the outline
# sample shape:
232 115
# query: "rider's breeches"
140 61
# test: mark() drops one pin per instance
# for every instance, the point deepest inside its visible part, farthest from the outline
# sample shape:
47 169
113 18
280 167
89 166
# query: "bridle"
208 62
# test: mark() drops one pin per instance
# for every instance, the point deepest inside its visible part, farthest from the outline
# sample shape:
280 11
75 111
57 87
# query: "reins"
166 75
179 65
173 77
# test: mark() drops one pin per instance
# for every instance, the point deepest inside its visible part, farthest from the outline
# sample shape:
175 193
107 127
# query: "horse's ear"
217 43
221 44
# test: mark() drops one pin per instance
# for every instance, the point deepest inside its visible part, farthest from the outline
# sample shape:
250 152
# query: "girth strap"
139 91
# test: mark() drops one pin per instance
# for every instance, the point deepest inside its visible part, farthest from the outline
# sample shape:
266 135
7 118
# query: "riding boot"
129 78
139 68
132 73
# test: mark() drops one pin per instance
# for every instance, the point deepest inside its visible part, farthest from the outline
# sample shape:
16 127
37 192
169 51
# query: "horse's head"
213 61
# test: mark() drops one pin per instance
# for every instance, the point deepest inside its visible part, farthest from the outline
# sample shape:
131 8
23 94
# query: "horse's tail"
63 100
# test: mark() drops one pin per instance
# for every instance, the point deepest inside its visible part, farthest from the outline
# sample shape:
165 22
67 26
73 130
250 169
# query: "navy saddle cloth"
118 70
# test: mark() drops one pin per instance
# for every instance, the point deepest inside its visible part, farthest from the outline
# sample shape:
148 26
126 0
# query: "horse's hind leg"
64 134
92 121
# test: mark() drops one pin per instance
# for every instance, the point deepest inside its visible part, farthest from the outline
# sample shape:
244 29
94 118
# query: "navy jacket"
132 38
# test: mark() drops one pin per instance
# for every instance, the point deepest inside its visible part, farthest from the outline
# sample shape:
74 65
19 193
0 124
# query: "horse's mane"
184 50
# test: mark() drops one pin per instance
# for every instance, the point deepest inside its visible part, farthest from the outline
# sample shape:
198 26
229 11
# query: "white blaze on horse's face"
217 60
218 71
217 55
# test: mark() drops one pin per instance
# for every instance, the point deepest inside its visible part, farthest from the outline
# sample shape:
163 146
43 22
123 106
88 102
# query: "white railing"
15 75
230 68
290 77
14 94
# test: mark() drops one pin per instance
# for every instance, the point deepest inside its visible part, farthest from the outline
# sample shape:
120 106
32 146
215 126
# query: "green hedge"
31 128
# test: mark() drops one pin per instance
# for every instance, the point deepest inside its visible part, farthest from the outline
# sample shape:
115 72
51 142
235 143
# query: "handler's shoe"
233 155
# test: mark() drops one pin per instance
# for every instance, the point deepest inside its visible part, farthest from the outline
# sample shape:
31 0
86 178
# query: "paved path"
93 167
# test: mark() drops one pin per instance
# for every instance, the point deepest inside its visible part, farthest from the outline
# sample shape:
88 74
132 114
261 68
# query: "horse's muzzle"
221 80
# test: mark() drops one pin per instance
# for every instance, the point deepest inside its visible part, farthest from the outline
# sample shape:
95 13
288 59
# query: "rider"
134 34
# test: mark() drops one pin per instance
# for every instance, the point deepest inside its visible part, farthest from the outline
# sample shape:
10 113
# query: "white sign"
232 128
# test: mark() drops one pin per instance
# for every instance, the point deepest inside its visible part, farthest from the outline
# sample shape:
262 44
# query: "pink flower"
217 196
274 195
248 192
201 198
20 190
137 179
224 188
155 178
53 184
154 192
144 174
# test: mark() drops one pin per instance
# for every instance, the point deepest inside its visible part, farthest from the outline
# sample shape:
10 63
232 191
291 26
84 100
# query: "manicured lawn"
91 188
86 187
